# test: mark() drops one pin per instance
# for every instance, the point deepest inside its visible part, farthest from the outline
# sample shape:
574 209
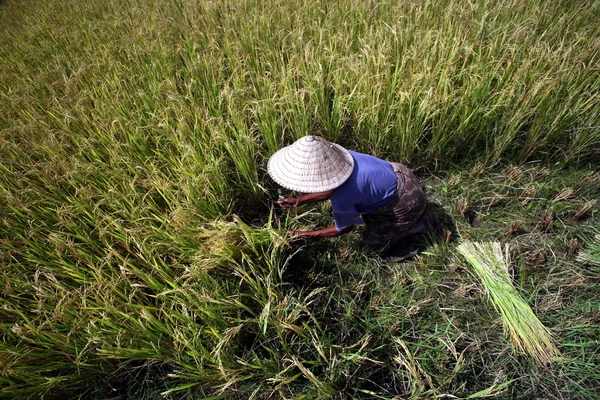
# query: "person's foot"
434 225
437 226
422 225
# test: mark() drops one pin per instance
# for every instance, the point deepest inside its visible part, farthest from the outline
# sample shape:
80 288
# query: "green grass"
139 251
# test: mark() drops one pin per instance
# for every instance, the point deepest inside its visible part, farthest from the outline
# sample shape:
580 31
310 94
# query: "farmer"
385 196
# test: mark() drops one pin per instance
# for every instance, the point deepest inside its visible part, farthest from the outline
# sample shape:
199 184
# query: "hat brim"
291 173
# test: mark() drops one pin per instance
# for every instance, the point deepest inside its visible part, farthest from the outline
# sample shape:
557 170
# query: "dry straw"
311 165
490 262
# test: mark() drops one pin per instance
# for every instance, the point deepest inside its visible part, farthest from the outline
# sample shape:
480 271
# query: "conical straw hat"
311 165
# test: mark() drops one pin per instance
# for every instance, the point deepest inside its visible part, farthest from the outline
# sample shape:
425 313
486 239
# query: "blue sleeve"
346 220
345 214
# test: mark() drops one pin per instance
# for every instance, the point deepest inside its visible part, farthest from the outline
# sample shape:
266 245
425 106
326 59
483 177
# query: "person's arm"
308 198
321 233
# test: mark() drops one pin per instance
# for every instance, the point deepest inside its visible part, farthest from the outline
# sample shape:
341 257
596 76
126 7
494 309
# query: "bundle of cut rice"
490 262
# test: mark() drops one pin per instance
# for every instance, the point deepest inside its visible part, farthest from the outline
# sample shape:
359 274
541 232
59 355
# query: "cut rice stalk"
490 262
591 255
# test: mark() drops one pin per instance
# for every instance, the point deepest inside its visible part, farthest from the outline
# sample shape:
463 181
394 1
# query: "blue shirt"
372 183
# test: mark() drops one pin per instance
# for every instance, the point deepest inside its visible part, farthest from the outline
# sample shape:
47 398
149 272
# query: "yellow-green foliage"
132 131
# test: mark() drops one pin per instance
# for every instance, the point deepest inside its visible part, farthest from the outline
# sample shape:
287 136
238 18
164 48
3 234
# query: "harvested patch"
524 329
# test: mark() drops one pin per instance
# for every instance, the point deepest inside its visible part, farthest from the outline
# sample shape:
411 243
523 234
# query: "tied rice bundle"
523 328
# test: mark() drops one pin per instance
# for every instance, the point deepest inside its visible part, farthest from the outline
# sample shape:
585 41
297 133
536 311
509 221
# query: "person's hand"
288 202
295 235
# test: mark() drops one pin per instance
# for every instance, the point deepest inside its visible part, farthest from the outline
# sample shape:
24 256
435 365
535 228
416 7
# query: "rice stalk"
591 255
490 262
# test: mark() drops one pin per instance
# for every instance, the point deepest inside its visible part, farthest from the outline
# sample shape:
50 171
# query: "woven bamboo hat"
311 165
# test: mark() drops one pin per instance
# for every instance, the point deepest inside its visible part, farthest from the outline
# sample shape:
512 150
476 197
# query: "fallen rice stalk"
490 262
591 255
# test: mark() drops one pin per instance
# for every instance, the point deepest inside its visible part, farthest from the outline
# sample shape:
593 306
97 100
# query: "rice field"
141 252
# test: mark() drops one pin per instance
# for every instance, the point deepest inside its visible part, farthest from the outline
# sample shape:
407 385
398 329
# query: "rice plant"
490 261
139 251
